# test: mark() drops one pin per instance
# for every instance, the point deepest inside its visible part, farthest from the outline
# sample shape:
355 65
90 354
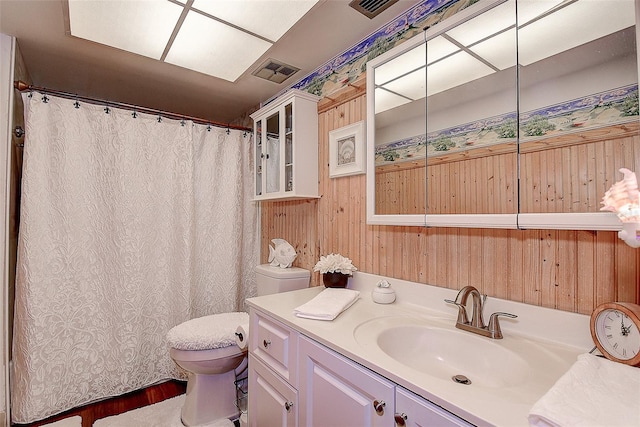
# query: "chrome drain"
461 379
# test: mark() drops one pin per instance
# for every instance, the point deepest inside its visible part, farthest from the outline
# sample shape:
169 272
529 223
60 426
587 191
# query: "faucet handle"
494 326
462 311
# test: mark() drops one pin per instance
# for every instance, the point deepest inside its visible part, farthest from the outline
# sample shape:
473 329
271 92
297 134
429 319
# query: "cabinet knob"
400 419
288 406
266 343
379 407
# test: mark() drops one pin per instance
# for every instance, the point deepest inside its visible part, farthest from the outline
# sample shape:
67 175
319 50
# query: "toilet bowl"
206 349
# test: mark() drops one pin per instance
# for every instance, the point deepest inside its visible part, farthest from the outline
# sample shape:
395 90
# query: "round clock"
615 329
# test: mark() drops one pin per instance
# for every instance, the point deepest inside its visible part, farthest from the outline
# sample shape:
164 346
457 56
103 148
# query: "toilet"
206 349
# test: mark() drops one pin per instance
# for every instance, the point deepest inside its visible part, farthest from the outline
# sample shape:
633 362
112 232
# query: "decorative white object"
623 198
334 263
282 254
347 150
382 293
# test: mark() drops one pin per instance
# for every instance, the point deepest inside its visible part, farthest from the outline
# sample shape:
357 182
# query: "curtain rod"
22 86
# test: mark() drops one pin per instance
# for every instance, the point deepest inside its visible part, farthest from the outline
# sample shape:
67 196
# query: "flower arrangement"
335 263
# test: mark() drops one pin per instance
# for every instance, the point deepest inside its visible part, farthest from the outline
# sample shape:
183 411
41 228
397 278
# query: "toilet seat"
208 332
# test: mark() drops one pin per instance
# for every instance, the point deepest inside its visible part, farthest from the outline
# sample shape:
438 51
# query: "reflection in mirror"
272 172
471 116
578 77
465 129
400 126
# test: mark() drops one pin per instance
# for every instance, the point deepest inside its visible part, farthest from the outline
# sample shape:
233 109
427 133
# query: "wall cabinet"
294 380
286 148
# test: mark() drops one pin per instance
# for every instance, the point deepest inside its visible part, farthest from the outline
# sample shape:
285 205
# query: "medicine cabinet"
507 114
286 148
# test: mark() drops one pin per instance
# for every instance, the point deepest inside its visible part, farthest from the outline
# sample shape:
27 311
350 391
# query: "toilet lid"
207 332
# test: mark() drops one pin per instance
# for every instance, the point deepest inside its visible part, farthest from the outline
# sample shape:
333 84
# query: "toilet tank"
271 280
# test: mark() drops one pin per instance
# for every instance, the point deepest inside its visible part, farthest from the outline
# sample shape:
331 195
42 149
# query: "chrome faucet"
476 325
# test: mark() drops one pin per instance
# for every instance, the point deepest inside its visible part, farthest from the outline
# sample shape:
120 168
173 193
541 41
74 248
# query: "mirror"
578 78
495 145
396 189
449 158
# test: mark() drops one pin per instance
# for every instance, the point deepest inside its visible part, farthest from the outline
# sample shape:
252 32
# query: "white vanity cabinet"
295 381
414 411
335 391
286 147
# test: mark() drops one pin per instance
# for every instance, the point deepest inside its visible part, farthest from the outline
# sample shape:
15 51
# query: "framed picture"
347 150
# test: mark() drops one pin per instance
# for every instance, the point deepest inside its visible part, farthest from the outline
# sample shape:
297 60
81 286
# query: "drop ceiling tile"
128 25
210 47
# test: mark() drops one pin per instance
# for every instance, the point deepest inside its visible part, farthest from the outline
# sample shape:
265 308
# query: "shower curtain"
130 224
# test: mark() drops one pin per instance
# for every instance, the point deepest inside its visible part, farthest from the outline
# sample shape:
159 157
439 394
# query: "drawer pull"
379 407
400 419
288 406
266 343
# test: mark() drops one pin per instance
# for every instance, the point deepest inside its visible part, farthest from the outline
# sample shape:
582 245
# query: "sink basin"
444 353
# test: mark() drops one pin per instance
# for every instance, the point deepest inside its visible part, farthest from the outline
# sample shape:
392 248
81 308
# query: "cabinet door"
272 402
414 411
271 148
335 391
259 156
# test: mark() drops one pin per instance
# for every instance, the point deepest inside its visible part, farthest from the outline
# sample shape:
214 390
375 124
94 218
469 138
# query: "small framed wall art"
347 150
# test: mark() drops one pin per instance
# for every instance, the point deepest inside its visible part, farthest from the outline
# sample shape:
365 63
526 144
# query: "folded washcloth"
593 392
327 304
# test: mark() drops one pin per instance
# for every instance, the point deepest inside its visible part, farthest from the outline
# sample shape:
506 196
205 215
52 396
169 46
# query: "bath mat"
75 421
161 414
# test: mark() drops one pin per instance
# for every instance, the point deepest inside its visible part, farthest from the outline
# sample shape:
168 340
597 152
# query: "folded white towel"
593 392
328 304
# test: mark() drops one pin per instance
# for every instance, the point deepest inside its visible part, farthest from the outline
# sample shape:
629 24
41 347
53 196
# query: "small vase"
335 280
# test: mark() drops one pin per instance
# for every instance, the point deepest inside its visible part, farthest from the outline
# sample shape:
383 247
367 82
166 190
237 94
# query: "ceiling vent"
275 71
371 8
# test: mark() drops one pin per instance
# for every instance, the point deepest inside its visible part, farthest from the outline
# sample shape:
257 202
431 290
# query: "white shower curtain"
129 226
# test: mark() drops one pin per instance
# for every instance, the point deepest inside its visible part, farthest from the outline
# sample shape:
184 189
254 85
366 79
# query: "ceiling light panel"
213 48
438 48
455 71
407 62
128 25
386 100
572 26
500 50
411 86
490 22
266 18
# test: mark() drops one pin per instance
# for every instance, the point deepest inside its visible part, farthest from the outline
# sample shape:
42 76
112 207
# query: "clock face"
617 334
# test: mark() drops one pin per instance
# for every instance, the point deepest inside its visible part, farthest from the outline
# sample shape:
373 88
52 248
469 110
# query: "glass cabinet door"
258 158
271 159
288 147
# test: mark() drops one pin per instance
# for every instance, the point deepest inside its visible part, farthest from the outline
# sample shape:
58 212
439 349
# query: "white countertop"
549 340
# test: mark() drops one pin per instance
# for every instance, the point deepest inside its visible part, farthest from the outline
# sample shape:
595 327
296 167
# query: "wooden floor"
117 405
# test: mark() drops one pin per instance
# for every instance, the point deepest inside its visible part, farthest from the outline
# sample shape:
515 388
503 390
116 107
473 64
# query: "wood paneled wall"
567 270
